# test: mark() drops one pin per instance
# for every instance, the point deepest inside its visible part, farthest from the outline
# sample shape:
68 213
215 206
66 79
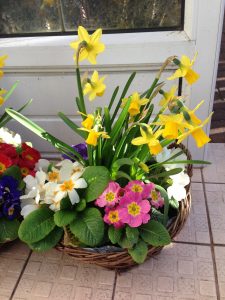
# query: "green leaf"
121 174
8 230
65 204
164 195
64 217
97 178
174 203
107 119
132 234
9 93
15 172
157 215
121 162
81 205
72 125
89 227
155 234
167 173
139 252
113 97
49 241
125 243
37 225
114 234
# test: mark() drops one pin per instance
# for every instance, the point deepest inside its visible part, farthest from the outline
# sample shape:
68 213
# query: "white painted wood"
45 67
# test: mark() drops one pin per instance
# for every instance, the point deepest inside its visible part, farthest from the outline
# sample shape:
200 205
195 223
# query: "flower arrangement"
17 160
121 189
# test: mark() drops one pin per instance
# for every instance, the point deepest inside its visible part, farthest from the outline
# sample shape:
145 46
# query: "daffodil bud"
176 61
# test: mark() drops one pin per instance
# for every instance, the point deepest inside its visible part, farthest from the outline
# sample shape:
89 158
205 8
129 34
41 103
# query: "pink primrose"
110 195
112 217
134 210
139 187
156 199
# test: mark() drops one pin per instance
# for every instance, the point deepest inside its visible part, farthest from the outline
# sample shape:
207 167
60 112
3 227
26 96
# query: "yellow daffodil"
194 120
88 122
2 92
93 136
48 2
95 86
173 125
149 138
197 133
185 70
168 96
135 104
2 63
91 46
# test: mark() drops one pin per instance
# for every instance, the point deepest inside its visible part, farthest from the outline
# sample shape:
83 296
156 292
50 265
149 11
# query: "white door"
45 69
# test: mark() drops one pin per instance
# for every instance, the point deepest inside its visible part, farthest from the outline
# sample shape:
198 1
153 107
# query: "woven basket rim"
121 260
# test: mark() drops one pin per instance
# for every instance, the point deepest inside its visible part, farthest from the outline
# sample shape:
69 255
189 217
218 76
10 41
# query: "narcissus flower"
173 125
93 136
134 211
2 92
185 70
88 122
135 104
149 138
95 86
91 45
168 96
197 133
2 63
110 196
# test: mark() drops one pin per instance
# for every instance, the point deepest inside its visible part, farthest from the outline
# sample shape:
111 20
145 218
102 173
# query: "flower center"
2 167
154 195
134 209
29 157
53 176
67 186
24 171
109 197
114 216
10 211
137 188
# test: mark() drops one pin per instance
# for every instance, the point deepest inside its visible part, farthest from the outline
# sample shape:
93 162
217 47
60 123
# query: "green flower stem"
90 154
81 95
166 203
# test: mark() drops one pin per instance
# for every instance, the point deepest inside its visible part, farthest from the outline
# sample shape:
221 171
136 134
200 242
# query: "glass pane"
122 14
29 16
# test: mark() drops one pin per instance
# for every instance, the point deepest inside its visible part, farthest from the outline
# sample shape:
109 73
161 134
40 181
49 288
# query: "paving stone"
215 173
180 271
216 203
53 275
12 259
197 176
196 227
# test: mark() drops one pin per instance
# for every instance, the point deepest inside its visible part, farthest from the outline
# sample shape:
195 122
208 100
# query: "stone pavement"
191 268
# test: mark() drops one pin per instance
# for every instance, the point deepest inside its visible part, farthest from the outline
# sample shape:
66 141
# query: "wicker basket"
121 260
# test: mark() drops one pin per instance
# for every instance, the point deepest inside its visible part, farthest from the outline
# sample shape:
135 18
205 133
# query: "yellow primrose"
168 96
93 136
88 122
2 63
197 133
185 70
173 124
91 45
95 86
2 92
149 138
135 104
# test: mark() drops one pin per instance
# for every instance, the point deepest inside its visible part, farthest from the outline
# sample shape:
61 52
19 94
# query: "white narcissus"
177 189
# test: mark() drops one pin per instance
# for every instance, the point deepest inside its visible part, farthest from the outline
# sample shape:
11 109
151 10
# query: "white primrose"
177 189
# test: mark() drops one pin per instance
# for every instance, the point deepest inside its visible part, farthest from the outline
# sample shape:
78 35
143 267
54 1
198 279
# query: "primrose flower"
138 187
9 137
110 196
5 162
2 63
149 138
94 86
197 133
135 104
177 189
168 96
134 211
173 125
91 45
185 70
112 217
156 199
